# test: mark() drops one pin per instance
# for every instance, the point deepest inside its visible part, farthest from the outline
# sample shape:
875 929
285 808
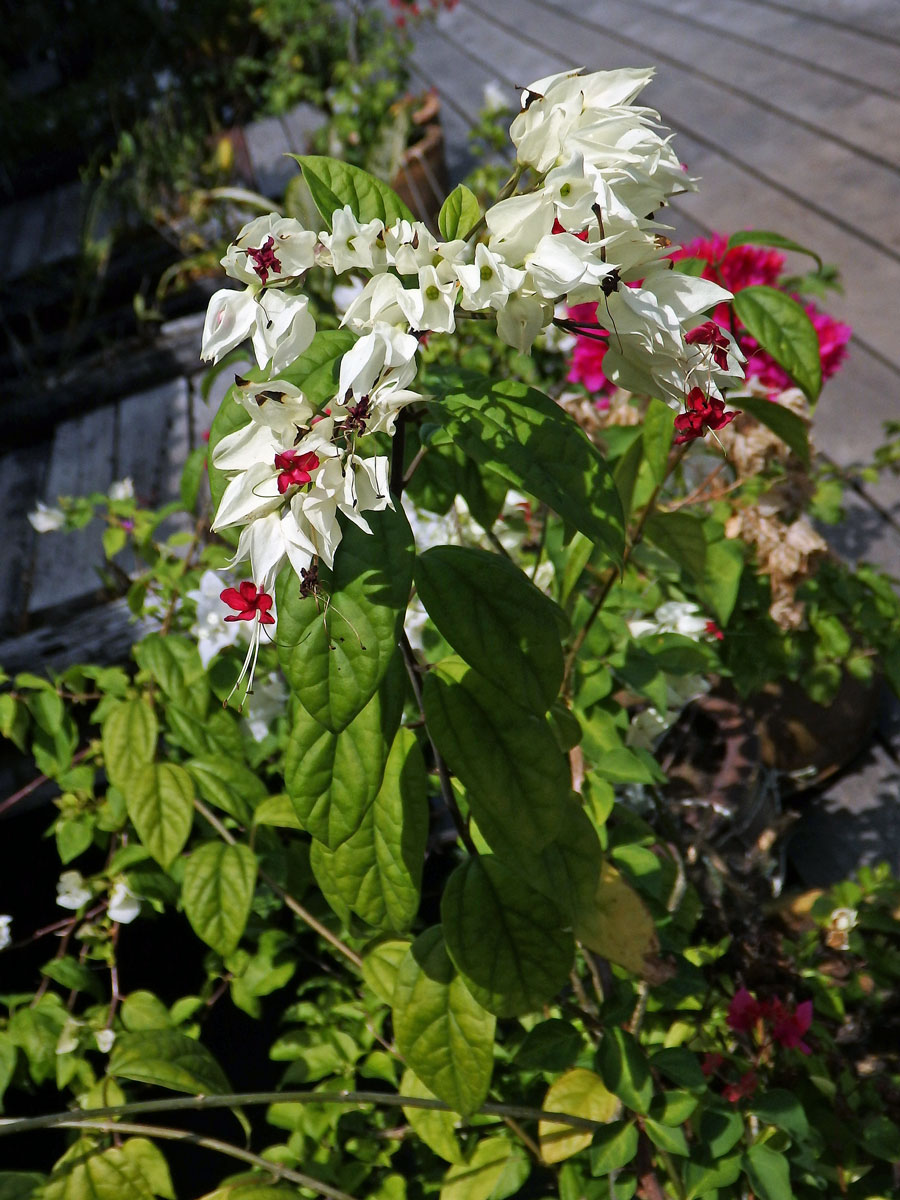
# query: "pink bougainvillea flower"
250 602
743 1011
788 1027
295 468
702 412
745 1086
587 357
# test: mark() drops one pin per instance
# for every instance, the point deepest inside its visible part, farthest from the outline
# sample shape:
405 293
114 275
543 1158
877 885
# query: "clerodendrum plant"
518 1012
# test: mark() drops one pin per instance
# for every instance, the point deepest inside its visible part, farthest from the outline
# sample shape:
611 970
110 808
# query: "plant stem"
294 905
25 791
208 1143
414 671
10 1125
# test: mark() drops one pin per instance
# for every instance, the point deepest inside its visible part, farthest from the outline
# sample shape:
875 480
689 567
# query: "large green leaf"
169 1059
505 938
782 328
217 892
534 445
659 425
334 184
228 785
724 564
496 619
768 1172
130 731
333 778
20 1185
86 1173
335 649
613 1147
436 1128
459 214
443 1033
479 1176
625 1069
174 664
507 758
765 237
682 537
783 423
160 800
377 871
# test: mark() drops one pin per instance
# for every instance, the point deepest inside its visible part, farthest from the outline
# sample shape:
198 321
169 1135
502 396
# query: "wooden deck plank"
22 474
267 144
81 461
881 18
142 425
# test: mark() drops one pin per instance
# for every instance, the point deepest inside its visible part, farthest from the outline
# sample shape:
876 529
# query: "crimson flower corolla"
743 1011
745 1086
295 469
702 413
789 1027
264 259
710 334
249 602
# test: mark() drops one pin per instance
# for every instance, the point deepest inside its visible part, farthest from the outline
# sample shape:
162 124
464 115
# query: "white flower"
71 891
68 1037
230 317
488 282
45 519
105 1039
284 329
353 244
521 319
675 616
494 96
431 304
266 702
123 905
122 489
5 935
269 249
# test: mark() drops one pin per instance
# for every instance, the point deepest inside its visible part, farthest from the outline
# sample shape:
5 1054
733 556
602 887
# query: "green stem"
9 1125
208 1143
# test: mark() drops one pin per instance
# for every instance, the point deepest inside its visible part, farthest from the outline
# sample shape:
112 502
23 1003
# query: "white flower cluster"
575 227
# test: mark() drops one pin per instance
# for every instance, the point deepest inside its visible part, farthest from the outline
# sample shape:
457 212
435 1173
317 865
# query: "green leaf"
724 565
550 1046
625 1069
160 801
682 537
192 474
278 811
701 1176
720 1131
504 937
881 1137
781 1108
437 1129
334 184
782 328
768 1172
219 880
765 237
334 652
670 1138
443 1033
74 975
85 1173
169 1059
377 871
333 778
150 1161
534 445
673 1108
506 757
783 423
681 1066
614 1147
477 1176
496 619
626 473
659 425
580 1093
129 740
228 785
381 962
174 664
20 1185
459 214
316 370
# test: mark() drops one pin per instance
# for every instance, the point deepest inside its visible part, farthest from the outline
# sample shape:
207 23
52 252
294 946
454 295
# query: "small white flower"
675 616
104 1039
71 891
123 905
122 489
843 919
46 518
68 1038
5 935
266 702
494 96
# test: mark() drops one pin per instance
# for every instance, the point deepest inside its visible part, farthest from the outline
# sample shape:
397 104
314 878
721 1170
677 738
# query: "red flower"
249 602
746 1086
743 1011
703 412
789 1027
294 468
711 1063
710 334
264 259
714 631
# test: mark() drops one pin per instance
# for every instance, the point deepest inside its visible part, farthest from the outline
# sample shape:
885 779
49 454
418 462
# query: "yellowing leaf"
580 1093
620 927
476 1178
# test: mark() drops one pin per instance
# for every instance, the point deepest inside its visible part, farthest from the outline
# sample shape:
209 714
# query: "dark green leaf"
334 184
784 423
174 664
219 880
682 537
768 1172
335 650
702 1176
779 1107
169 1059
443 1033
534 445
614 1147
724 565
74 975
659 425
504 937
377 871
550 1046
881 1137
720 1131
625 1069
496 619
506 757
765 237
670 1138
20 1185
782 328
459 214
681 1066
160 801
